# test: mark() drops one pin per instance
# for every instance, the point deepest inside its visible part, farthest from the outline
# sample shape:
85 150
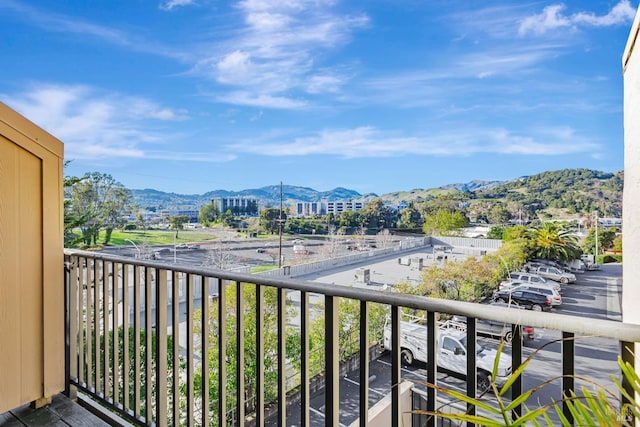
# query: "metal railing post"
103 292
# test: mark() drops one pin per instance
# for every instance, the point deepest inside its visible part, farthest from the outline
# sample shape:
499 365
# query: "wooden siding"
31 262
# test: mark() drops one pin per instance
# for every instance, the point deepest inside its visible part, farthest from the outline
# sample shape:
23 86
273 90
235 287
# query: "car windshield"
479 348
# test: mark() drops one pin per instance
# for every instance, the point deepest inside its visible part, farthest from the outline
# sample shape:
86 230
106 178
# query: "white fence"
466 245
312 267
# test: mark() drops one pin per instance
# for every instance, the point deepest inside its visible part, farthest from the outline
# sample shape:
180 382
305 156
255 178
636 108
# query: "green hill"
563 193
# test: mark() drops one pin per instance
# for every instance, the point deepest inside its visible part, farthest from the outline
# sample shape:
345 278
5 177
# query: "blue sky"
189 96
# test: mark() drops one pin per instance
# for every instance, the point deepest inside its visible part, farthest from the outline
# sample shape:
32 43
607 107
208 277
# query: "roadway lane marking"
358 384
420 375
317 412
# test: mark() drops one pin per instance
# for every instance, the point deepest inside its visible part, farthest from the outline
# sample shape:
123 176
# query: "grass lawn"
261 268
157 237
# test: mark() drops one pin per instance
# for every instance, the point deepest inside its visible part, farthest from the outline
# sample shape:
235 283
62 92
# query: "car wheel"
502 300
536 307
483 382
406 356
564 280
508 337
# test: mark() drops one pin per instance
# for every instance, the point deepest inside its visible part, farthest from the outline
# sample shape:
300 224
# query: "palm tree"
554 241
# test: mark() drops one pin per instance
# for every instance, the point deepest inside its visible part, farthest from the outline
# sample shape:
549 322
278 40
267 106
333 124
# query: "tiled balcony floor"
62 412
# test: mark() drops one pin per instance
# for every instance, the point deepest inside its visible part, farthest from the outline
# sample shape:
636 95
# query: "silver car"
496 329
554 274
551 293
523 277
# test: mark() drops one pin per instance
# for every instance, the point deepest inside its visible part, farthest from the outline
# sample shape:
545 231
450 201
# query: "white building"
631 193
308 209
323 207
338 207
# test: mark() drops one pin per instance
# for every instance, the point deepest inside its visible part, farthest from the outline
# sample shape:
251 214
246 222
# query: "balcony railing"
149 341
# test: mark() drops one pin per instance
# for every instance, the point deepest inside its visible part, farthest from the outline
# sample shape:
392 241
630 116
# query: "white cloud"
94 125
324 83
170 4
552 17
235 68
265 21
277 52
621 13
62 23
207 157
253 99
367 142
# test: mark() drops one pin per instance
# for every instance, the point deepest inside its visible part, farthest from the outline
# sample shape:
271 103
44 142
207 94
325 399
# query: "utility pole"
596 213
280 229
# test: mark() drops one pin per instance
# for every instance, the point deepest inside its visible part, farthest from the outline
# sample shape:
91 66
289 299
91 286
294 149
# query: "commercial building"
239 206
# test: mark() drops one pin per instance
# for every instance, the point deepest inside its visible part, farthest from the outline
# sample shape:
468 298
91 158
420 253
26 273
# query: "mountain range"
574 190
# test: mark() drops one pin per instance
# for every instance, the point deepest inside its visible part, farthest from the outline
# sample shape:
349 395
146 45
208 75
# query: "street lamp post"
135 246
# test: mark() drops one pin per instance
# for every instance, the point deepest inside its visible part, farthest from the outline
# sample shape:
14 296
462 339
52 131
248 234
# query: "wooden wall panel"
9 259
31 262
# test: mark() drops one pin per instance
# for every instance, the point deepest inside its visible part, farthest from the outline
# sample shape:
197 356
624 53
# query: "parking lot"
596 294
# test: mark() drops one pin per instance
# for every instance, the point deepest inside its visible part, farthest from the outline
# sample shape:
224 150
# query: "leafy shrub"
594 406
610 258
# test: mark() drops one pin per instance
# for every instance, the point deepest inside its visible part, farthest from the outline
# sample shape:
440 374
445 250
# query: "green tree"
555 241
514 233
617 243
226 218
499 214
444 222
177 222
141 222
509 257
605 240
446 202
270 339
270 220
102 201
72 219
351 219
410 218
376 215
496 233
462 281
209 213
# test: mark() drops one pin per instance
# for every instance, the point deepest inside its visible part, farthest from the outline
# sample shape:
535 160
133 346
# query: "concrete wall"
380 413
312 267
467 245
631 194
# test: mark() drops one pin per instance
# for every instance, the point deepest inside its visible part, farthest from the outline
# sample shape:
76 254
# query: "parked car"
528 299
451 350
552 273
494 328
260 250
527 278
543 288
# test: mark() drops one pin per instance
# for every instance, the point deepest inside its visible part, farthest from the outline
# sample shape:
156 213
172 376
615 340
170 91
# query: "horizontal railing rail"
164 344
